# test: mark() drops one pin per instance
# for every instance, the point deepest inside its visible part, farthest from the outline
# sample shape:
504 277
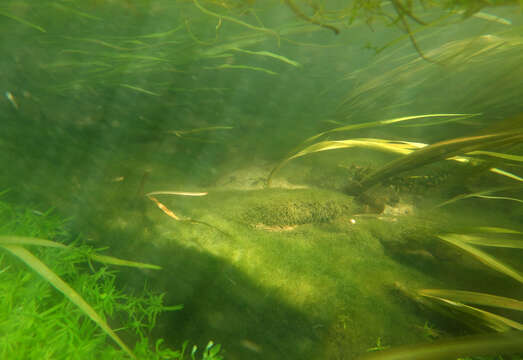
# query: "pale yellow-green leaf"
481 194
23 21
512 157
385 122
393 146
139 89
490 241
121 262
181 193
269 54
494 321
477 298
22 240
34 263
485 258
506 173
493 229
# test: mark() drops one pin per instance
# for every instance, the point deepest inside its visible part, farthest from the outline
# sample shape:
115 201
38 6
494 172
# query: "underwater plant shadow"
223 304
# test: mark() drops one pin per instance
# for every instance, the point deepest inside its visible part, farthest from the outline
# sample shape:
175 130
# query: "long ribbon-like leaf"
34 263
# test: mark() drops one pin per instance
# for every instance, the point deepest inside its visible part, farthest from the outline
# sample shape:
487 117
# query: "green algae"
280 207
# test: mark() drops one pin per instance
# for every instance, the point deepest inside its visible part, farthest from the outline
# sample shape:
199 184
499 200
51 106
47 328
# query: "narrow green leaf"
486 259
471 297
139 89
269 54
22 21
518 158
493 321
21 240
243 67
492 344
121 262
74 11
181 193
480 194
34 263
493 229
393 146
386 122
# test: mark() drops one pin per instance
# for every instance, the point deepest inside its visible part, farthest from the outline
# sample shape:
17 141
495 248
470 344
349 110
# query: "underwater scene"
270 179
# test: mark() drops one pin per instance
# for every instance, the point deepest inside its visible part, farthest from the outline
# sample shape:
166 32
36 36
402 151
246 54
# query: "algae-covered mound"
281 207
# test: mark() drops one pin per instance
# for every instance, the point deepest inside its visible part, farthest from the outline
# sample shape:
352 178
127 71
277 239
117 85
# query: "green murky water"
261 153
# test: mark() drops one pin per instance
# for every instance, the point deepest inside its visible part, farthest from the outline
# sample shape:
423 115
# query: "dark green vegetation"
155 126
38 323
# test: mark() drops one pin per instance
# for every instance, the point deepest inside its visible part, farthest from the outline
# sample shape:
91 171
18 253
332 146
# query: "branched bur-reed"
461 305
458 305
478 345
416 155
440 151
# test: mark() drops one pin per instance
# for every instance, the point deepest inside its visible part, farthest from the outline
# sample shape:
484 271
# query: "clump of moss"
278 207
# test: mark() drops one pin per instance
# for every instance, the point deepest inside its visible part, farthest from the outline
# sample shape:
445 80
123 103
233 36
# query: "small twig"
399 6
300 14
400 11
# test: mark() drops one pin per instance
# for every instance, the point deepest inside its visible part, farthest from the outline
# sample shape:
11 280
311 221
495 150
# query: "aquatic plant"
415 155
476 345
36 305
440 151
467 243
394 146
458 305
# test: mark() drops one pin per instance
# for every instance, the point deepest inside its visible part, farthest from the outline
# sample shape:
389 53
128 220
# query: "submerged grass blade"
21 240
269 54
34 263
376 144
486 259
22 21
498 230
139 89
440 151
512 157
242 67
181 133
506 173
386 122
236 21
398 147
121 262
492 321
296 151
482 193
489 241
471 297
499 198
477 345
75 12
182 193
